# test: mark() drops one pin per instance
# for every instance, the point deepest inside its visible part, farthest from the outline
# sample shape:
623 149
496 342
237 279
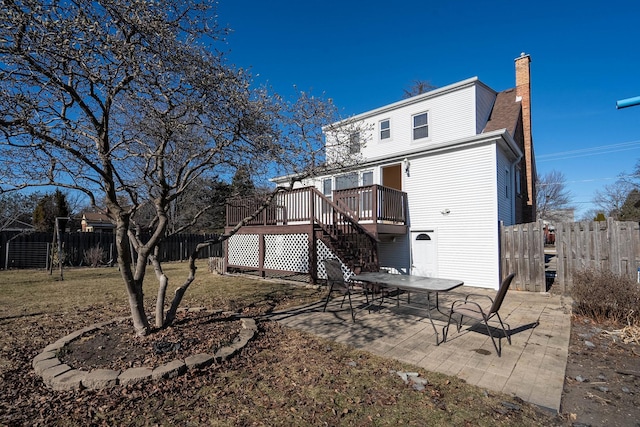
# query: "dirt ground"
602 382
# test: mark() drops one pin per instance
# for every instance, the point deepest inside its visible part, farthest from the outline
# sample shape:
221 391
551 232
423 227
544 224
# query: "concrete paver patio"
532 368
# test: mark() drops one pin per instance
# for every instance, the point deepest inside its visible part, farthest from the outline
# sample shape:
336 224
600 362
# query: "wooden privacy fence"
522 253
606 245
611 245
32 250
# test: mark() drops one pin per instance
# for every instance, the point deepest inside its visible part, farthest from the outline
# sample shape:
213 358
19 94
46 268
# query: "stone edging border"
61 377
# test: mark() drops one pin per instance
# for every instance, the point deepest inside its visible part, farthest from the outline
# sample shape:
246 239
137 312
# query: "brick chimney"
523 94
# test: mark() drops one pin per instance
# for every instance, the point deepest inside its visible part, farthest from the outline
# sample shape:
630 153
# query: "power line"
577 181
592 151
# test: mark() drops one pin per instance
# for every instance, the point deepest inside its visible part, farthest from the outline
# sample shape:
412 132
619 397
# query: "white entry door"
424 249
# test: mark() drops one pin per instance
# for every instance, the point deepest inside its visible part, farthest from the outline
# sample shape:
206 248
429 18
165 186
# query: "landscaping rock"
134 375
198 361
169 370
70 380
100 379
54 371
45 364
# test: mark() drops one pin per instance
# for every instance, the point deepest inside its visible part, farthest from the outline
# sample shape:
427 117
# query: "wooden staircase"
347 239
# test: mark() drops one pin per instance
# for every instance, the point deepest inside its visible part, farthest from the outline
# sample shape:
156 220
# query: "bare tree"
418 87
553 197
612 197
17 209
131 104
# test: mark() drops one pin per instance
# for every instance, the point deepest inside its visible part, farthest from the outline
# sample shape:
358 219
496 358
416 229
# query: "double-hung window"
354 143
367 178
349 180
326 187
385 129
420 126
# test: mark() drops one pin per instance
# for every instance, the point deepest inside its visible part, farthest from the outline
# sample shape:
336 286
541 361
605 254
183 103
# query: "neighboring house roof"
95 216
17 225
97 220
506 112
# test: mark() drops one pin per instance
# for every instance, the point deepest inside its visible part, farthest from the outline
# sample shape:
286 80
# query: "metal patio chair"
336 281
482 308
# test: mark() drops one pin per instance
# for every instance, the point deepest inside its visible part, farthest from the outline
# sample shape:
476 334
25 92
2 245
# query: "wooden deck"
379 210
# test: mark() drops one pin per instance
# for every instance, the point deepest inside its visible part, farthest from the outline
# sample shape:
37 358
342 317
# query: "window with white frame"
385 129
354 143
421 126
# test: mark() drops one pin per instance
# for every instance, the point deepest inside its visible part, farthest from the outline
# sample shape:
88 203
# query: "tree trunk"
177 297
133 284
163 283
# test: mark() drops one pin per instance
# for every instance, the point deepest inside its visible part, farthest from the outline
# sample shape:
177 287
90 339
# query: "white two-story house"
440 173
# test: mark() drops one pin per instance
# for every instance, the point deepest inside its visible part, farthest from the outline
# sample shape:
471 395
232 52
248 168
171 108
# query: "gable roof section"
506 112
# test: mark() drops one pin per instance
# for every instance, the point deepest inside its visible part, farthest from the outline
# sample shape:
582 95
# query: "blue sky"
585 57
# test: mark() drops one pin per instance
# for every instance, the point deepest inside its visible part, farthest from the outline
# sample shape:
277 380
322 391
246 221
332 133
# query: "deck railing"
373 203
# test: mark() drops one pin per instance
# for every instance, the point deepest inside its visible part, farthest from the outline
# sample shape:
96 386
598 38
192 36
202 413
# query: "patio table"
417 284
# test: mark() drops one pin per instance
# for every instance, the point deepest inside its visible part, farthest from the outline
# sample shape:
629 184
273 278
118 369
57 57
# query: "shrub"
94 256
604 295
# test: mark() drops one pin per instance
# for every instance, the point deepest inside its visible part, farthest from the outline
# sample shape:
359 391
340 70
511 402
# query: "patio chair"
336 281
474 307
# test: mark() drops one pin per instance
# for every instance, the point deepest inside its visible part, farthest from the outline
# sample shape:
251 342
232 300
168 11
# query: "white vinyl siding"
464 183
484 104
451 116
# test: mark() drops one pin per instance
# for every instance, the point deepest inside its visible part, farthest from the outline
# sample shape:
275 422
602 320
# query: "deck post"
313 252
261 254
374 208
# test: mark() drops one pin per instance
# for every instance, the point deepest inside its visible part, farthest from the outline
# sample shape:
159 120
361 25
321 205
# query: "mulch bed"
116 347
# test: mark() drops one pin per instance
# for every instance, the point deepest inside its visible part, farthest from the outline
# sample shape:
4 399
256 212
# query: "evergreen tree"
242 183
49 207
630 211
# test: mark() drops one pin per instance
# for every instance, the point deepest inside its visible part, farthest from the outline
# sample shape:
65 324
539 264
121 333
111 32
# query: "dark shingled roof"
96 217
506 112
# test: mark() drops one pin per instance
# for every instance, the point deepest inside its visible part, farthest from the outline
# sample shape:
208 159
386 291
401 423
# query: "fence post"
6 258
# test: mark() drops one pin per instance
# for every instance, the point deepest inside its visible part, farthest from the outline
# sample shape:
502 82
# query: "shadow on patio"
532 368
